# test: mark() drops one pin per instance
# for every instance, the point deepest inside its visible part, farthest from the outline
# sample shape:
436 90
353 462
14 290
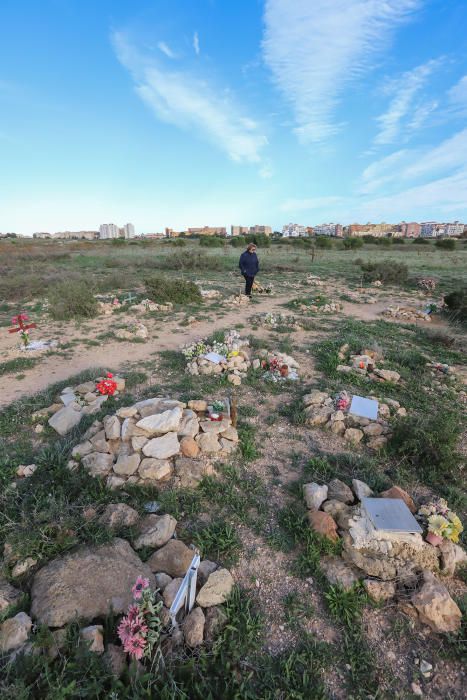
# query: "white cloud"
315 49
449 155
190 103
403 92
457 95
162 46
196 43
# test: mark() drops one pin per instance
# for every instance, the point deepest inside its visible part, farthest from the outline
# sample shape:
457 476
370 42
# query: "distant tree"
446 244
324 243
352 243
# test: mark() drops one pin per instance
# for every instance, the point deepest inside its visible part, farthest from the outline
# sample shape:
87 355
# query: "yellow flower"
455 520
437 524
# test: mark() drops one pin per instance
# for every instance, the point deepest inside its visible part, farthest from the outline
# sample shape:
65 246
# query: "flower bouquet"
140 629
441 522
107 386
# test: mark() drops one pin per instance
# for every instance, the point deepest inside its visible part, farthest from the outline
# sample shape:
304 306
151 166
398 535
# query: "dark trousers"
248 284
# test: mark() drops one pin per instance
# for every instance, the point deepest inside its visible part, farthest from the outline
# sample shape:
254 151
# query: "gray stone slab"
390 514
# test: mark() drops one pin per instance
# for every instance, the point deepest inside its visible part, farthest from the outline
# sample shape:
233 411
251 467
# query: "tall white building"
293 231
108 231
454 229
129 230
327 230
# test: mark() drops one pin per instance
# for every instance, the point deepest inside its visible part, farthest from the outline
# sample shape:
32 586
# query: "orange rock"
324 524
188 447
397 492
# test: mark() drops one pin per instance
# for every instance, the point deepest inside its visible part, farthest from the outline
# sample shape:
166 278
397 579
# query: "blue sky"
190 112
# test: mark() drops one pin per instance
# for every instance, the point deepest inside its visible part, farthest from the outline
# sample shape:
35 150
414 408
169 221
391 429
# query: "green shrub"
118 241
457 303
352 243
427 444
178 243
72 299
323 242
446 244
388 271
190 260
177 291
211 242
238 241
420 241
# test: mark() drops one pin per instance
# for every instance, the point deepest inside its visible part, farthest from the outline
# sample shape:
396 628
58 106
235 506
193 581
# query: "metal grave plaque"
390 514
365 408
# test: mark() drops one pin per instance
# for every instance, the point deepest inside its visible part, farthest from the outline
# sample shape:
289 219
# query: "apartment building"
107 231
411 230
208 231
261 230
239 230
293 231
328 230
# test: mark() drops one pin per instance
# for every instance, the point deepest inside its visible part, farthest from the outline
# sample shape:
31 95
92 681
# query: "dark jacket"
248 264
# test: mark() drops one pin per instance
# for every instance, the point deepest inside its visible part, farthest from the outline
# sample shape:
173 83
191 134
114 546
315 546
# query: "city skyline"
263 111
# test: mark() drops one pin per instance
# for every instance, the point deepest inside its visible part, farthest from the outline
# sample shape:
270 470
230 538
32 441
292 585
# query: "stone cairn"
74 403
406 313
393 565
92 581
323 410
155 441
365 363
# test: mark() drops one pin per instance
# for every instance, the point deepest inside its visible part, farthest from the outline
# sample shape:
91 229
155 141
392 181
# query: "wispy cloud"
162 46
315 49
403 91
191 103
457 95
196 43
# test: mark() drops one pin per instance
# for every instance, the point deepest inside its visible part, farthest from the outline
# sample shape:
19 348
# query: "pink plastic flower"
138 588
135 646
124 629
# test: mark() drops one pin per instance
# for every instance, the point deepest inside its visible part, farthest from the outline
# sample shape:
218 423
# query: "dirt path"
164 334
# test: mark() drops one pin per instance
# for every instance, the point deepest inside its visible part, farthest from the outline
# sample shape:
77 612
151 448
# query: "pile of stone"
406 313
429 284
133 330
74 403
323 410
315 281
210 293
394 565
273 319
327 308
95 581
259 288
107 308
147 305
364 363
234 362
155 441
237 300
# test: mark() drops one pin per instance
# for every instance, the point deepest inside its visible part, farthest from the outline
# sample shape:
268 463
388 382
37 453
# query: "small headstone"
365 408
391 515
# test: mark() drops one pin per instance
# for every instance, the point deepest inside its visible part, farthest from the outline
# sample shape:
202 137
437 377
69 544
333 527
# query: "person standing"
249 267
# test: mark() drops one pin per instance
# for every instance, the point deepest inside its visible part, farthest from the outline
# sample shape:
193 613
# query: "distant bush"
178 243
323 242
388 271
352 243
190 260
238 241
162 289
118 241
259 239
211 242
457 303
446 244
368 238
420 241
383 241
71 299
